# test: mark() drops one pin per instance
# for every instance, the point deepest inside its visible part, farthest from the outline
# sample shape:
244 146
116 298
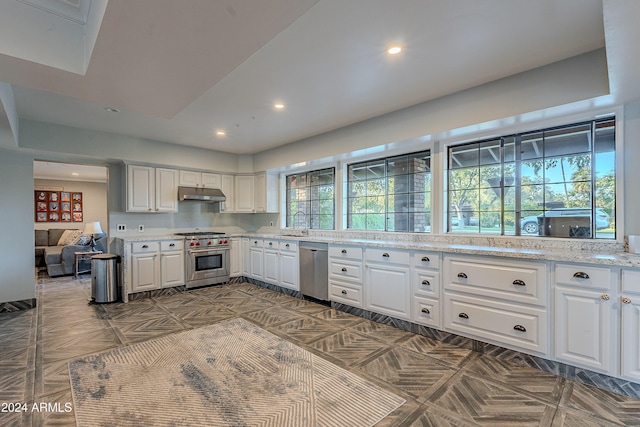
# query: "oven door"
204 265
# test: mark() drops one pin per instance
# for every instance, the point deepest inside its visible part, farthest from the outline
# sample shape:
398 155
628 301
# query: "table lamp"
92 228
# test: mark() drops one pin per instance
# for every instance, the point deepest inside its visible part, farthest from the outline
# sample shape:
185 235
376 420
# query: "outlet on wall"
121 227
141 228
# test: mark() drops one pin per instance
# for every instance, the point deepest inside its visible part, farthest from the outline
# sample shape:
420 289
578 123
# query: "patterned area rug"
229 374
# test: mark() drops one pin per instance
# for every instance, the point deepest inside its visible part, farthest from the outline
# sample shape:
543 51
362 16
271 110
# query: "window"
310 200
557 182
391 194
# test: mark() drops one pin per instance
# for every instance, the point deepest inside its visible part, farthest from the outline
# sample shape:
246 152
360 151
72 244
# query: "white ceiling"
180 70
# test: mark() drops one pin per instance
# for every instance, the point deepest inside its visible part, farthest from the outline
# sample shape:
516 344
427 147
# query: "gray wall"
17 264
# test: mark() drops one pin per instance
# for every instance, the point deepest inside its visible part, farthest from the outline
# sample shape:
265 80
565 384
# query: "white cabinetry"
425 288
244 193
585 319
235 255
388 285
271 261
266 193
246 256
345 275
474 287
199 179
256 259
630 306
227 185
156 264
151 189
289 265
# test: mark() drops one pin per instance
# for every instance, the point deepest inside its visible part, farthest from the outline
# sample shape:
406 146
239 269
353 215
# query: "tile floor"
443 385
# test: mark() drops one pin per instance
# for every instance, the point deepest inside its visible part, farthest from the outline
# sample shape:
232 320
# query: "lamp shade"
92 228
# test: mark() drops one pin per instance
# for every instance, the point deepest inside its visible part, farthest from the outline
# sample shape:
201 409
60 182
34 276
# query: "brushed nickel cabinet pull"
344 251
425 310
270 243
171 245
580 275
255 242
519 282
626 300
426 282
463 315
145 246
287 245
462 275
520 328
344 292
344 268
425 259
386 255
605 297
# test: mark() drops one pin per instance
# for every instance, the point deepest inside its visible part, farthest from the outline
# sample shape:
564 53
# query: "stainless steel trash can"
104 278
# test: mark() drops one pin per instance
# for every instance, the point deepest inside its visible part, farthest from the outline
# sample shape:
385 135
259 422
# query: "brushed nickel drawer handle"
171 245
580 275
605 297
270 243
425 310
463 315
426 282
386 255
344 269
425 259
145 246
344 292
255 242
519 282
626 300
520 328
287 245
344 251
462 275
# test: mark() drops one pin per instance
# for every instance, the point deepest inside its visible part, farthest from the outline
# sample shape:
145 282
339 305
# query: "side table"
82 256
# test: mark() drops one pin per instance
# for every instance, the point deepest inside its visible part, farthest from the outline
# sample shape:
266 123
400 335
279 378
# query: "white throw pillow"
69 237
82 240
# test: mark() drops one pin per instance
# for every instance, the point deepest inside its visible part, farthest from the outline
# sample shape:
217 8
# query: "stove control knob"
197 243
226 241
192 244
219 242
209 243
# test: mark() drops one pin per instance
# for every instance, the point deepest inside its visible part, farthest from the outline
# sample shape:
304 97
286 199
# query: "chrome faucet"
304 230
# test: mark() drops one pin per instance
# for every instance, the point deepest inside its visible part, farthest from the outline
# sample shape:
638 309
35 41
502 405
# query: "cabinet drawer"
426 311
256 243
346 270
144 247
346 252
386 256
631 281
289 246
271 244
510 325
426 283
584 276
426 260
513 281
343 293
171 245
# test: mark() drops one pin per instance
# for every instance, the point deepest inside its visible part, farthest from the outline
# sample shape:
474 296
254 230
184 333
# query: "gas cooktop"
201 233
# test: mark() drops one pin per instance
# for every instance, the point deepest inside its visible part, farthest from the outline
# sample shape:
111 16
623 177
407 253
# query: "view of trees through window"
391 194
557 182
311 199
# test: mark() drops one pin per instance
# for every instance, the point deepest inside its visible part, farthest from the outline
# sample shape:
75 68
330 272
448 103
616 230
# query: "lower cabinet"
289 265
156 264
345 275
271 261
256 262
387 282
235 257
630 337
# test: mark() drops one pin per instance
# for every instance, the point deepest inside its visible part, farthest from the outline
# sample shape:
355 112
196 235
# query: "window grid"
557 182
390 194
311 199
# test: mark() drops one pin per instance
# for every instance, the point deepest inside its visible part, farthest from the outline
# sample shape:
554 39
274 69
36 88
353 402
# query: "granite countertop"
611 258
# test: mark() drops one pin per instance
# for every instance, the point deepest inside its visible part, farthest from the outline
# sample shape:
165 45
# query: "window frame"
286 199
517 134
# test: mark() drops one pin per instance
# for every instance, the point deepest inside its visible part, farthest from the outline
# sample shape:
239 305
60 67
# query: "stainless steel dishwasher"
314 270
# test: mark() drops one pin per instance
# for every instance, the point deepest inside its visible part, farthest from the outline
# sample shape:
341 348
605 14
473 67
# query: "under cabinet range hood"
201 194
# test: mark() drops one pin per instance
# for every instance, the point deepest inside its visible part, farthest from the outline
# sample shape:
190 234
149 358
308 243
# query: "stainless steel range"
206 258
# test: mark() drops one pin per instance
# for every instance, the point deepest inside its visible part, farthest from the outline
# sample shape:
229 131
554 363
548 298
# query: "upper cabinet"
151 189
200 179
266 193
244 190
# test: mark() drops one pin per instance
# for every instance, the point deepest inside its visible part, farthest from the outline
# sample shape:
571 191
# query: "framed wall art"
58 206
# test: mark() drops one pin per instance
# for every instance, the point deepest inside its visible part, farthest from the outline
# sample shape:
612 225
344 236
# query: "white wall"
17 263
631 160
94 203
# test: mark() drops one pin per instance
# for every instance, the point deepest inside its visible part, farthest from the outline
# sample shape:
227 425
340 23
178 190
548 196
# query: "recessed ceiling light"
278 106
112 110
394 50
220 133
75 173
